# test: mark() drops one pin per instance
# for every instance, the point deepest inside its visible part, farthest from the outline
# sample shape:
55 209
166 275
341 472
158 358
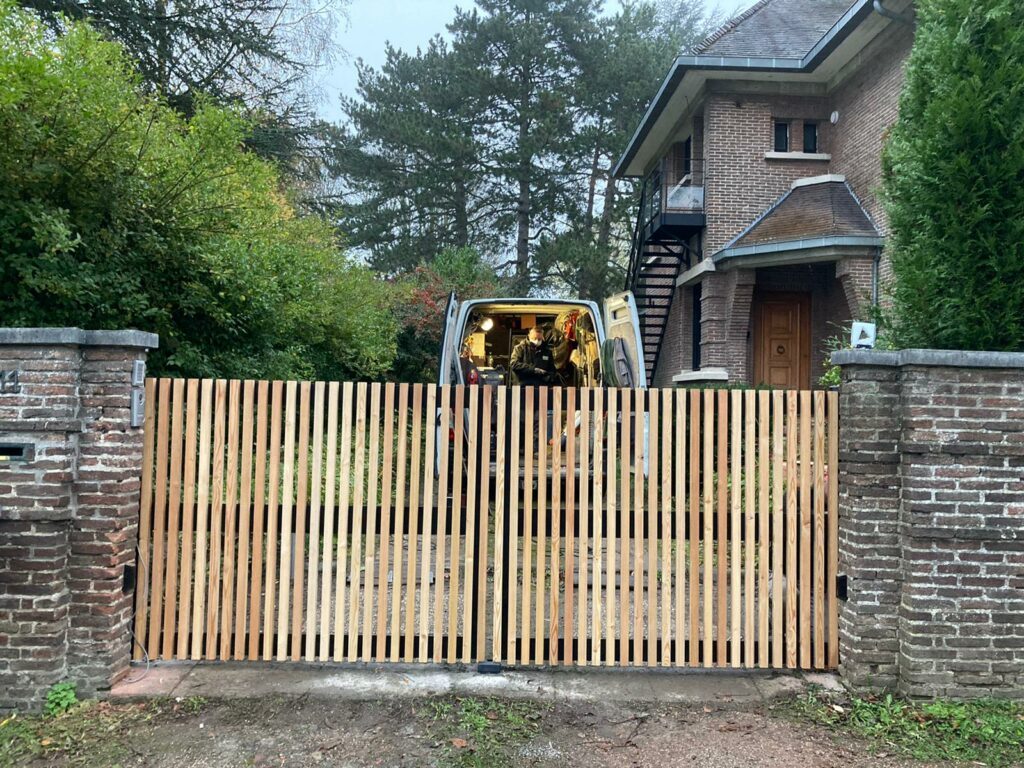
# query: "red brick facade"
737 120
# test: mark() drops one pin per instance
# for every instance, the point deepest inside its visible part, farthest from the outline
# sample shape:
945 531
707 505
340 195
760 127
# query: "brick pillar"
932 521
869 548
68 508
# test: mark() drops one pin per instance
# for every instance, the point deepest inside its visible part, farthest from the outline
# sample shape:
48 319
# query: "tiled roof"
775 29
810 210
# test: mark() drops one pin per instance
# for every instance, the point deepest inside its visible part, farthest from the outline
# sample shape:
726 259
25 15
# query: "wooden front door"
782 340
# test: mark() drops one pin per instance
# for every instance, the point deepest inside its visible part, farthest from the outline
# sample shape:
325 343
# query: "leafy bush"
116 211
953 170
60 698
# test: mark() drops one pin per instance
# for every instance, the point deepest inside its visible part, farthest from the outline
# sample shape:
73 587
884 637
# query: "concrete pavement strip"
255 680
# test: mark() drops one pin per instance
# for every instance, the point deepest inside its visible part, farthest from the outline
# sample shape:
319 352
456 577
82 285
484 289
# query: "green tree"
257 54
954 167
117 212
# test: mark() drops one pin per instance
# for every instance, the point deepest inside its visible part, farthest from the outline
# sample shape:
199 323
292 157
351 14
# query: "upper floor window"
781 136
810 136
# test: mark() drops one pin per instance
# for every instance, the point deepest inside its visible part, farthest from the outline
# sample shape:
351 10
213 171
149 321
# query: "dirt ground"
288 731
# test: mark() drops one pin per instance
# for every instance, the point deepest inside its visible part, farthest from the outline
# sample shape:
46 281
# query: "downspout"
882 10
875 263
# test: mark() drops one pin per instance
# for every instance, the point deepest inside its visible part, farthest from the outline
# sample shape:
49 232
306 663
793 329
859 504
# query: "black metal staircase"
659 252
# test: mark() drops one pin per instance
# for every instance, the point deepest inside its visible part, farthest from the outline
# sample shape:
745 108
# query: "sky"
406 24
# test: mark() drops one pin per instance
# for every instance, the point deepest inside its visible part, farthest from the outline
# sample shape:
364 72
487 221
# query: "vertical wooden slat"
749 530
639 450
818 542
833 528
384 559
455 540
625 542
665 565
707 649
339 457
512 628
284 577
216 518
693 540
227 601
259 512
444 442
188 516
543 473
273 518
586 551
598 506
174 519
778 541
343 647
735 523
242 576
468 562
720 549
526 648
805 529
680 527
650 605
764 460
497 625
483 511
299 537
158 562
569 579
428 421
327 594
412 433
202 518
316 515
146 521
402 591
368 592
356 563
791 523
613 447
552 630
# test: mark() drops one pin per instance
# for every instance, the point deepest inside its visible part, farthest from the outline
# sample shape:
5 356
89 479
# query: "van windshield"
492 332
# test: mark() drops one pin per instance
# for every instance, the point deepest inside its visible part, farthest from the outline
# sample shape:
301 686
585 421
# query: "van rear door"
446 361
624 361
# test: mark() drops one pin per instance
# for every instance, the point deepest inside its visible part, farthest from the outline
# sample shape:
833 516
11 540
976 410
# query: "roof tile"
775 29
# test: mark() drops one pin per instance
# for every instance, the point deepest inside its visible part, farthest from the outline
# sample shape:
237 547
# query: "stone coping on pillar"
77 337
948 358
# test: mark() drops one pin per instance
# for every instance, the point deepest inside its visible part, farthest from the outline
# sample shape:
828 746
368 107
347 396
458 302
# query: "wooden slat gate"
368 522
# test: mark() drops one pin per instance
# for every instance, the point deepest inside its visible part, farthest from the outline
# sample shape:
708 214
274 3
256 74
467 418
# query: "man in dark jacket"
532 362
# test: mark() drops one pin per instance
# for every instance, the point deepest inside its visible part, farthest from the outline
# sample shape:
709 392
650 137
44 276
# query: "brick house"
760 232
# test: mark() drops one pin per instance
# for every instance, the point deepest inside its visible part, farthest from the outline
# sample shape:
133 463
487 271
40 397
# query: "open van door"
622 358
447 358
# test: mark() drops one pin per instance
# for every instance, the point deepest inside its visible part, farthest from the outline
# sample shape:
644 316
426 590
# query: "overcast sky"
406 24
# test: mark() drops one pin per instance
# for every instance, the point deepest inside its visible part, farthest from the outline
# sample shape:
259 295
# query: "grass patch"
986 731
90 733
481 733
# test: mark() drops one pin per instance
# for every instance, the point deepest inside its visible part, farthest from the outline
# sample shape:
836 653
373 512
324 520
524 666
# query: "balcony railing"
675 186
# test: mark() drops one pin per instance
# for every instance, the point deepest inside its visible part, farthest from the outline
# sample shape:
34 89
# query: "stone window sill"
824 156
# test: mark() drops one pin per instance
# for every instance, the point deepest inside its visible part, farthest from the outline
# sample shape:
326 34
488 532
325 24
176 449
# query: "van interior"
492 332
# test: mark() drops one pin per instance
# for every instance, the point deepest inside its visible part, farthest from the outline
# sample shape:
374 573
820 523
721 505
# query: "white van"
596 350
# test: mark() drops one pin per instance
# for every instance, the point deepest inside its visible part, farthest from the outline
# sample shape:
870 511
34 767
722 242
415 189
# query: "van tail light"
474 376
451 434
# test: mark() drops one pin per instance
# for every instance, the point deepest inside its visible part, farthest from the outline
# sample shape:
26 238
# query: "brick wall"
932 521
68 514
868 104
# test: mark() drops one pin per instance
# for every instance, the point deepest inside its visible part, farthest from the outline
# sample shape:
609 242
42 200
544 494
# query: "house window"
810 136
781 137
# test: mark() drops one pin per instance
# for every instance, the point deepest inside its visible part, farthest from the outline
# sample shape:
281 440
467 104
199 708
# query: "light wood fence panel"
392 522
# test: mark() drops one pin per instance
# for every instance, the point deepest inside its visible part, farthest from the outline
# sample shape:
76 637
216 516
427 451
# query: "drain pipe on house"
875 264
